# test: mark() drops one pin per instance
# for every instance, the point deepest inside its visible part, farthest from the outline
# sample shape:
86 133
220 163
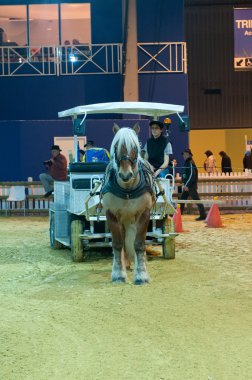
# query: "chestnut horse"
127 198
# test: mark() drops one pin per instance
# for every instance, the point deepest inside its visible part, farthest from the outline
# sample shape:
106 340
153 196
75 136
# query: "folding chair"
17 194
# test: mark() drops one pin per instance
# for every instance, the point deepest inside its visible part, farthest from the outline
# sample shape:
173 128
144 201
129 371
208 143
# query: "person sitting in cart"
190 183
56 170
81 154
94 154
157 150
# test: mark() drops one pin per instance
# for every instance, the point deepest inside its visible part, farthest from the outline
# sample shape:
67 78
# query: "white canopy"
136 108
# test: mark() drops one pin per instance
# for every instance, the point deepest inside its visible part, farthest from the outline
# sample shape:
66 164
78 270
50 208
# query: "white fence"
235 191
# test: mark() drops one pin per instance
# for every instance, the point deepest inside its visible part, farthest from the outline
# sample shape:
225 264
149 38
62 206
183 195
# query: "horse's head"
125 152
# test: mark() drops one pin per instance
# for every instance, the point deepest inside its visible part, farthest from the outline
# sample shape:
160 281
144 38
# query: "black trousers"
195 196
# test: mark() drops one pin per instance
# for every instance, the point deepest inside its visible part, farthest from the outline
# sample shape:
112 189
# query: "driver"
157 150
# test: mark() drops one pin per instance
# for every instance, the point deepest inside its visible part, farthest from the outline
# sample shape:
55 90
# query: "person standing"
190 181
210 163
226 165
247 160
157 150
57 170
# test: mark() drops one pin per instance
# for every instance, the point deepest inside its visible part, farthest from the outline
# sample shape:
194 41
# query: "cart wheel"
168 245
53 243
76 242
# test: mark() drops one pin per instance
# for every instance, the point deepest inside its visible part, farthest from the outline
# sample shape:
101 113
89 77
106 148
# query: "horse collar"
112 186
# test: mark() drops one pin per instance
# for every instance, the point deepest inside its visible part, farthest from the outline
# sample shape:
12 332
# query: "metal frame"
163 57
60 60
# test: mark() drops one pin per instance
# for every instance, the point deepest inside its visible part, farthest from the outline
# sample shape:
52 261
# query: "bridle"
125 157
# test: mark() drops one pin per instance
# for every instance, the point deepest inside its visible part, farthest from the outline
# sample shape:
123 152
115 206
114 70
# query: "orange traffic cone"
213 218
177 220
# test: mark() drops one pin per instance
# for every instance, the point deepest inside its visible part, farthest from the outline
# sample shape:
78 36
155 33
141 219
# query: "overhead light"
72 58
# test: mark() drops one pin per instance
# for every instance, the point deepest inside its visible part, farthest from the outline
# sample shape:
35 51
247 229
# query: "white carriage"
76 215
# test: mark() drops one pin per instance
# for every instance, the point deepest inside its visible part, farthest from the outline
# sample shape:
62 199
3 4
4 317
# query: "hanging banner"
243 38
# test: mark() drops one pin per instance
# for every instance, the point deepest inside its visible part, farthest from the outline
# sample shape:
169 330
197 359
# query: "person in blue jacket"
190 181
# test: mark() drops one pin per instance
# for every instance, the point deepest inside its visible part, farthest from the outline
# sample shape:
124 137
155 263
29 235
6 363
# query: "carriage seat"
81 184
87 167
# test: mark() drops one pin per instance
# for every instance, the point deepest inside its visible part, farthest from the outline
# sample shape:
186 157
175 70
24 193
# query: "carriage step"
156 235
91 236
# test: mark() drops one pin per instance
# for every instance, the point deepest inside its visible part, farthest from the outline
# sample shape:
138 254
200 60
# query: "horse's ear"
115 128
136 128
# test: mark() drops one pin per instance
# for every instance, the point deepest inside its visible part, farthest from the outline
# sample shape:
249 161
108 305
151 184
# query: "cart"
77 220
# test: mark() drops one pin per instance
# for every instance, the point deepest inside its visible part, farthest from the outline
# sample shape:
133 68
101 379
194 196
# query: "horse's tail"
130 236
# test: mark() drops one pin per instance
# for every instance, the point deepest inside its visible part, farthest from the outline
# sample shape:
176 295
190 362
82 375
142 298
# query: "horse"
127 197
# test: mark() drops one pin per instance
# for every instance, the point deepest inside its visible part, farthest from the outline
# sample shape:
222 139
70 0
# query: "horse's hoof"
118 280
141 282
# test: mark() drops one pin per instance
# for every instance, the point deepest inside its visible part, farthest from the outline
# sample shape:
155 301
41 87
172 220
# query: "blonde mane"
126 137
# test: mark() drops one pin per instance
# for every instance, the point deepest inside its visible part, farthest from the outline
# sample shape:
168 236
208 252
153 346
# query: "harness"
145 184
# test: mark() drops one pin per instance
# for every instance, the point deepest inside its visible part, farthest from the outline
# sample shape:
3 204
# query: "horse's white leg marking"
141 275
118 268
119 273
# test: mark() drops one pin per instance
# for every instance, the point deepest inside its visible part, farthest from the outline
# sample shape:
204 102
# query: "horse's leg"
118 268
141 275
126 258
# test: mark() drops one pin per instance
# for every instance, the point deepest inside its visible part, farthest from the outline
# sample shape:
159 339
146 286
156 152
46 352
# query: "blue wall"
160 20
41 98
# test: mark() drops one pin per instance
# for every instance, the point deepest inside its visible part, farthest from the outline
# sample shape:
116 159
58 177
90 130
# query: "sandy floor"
61 320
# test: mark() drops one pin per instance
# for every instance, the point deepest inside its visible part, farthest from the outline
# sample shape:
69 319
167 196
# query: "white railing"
162 57
234 191
166 57
60 60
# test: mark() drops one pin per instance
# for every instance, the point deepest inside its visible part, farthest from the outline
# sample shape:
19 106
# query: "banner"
243 38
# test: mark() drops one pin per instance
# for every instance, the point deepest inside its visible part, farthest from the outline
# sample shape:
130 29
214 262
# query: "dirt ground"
61 320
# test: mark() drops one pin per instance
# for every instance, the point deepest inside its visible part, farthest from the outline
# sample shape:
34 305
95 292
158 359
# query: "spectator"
94 154
157 150
190 180
247 160
226 165
81 154
210 163
57 170
75 41
2 36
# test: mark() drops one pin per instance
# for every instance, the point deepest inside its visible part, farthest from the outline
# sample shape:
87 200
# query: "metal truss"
162 57
60 60
165 57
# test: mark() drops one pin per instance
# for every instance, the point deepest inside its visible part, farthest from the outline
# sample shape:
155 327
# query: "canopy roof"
136 108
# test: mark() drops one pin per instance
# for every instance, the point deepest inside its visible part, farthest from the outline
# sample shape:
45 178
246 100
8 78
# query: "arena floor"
61 320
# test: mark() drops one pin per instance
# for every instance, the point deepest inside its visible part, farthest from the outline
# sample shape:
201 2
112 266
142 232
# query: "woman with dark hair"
226 166
247 160
210 163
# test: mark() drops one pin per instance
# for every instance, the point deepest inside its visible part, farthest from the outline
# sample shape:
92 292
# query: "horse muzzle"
125 178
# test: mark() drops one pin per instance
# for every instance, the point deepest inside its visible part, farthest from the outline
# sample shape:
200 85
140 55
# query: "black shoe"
201 218
48 194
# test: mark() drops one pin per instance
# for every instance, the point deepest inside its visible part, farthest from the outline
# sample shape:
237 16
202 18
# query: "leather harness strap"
144 186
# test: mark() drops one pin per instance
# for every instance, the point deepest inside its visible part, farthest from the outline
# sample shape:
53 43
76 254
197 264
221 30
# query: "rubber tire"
54 244
76 242
168 248
168 245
